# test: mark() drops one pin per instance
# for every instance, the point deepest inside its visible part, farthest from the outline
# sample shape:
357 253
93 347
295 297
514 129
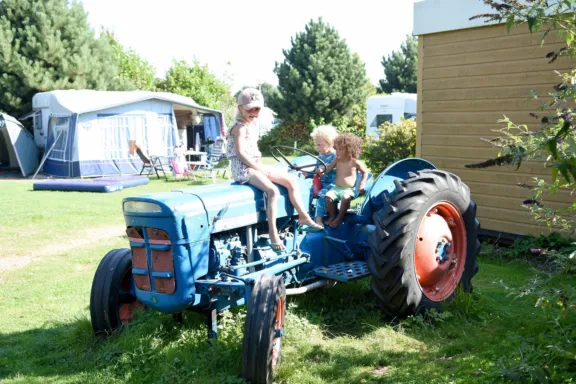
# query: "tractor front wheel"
424 245
112 299
264 329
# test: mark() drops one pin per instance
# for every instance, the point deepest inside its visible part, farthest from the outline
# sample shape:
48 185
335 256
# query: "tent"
17 147
89 133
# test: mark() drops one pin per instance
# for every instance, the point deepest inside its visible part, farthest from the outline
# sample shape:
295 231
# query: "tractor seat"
369 182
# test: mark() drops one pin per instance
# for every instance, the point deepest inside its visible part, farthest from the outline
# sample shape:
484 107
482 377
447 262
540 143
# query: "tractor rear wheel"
425 243
112 299
264 329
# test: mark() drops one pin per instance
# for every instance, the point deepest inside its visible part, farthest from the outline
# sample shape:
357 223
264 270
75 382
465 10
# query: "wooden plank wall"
467 80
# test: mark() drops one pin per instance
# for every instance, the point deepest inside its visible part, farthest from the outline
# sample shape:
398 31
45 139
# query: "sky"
241 41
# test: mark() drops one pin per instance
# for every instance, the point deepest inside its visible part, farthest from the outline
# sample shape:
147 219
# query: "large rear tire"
112 299
264 329
425 244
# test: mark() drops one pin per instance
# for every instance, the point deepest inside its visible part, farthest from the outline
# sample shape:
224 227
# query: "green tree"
272 97
355 121
46 45
320 80
133 68
197 82
401 68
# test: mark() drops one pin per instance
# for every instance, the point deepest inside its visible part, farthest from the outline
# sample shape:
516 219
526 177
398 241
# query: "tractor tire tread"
105 290
391 266
259 328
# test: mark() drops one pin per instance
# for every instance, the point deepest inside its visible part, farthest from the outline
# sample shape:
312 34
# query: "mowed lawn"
52 243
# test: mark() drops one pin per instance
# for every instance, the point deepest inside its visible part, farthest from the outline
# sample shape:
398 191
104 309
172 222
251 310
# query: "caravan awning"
83 101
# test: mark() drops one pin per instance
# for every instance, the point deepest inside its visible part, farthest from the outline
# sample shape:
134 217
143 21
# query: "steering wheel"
295 167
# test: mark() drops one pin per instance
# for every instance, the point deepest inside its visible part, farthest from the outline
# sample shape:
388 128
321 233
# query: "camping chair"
216 161
181 172
151 163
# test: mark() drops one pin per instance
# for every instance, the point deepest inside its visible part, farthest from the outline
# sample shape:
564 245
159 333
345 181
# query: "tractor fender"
385 182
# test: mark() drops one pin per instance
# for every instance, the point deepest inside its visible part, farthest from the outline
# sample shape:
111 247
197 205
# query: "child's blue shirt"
330 177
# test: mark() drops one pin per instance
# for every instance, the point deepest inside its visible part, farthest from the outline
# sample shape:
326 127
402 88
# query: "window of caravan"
380 119
409 116
117 130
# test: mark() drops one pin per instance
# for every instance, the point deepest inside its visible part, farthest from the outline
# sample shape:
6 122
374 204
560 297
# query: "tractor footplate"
344 272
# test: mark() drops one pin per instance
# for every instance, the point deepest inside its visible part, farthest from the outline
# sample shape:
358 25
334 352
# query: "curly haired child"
348 148
324 136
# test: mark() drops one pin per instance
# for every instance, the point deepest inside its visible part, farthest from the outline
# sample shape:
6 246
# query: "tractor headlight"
141 207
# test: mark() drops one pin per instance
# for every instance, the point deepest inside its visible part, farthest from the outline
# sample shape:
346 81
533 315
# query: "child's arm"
330 166
239 133
364 171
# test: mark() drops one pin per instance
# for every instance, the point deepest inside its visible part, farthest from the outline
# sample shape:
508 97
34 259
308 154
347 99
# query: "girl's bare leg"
261 182
293 192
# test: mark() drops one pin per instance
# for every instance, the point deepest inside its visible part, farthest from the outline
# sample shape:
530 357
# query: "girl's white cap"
251 98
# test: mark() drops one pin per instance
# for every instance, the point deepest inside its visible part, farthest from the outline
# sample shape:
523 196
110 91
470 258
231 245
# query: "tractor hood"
221 206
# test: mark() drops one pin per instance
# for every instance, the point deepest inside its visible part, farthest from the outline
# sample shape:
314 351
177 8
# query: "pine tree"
320 80
401 68
47 45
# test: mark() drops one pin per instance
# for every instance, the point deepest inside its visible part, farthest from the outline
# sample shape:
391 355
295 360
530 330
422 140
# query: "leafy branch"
554 140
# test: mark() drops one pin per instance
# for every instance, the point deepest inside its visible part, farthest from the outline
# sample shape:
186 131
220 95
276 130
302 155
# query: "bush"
287 133
396 142
552 253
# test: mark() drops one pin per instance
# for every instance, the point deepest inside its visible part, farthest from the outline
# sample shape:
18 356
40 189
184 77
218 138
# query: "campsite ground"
45 334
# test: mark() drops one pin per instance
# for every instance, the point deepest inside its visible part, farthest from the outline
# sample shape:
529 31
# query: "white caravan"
383 108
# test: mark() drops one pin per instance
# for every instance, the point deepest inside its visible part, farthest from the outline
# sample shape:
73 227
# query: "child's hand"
361 189
319 171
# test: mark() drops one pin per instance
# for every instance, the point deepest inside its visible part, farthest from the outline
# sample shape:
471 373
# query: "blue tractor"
206 249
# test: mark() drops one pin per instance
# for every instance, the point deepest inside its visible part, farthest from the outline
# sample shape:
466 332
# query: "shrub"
552 253
396 142
287 133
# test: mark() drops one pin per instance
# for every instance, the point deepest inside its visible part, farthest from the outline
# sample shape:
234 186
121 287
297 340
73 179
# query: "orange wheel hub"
127 310
279 331
440 251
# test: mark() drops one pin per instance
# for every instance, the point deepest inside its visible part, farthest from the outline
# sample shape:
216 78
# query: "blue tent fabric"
211 127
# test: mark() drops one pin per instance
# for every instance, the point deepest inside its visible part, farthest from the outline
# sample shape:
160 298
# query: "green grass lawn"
333 336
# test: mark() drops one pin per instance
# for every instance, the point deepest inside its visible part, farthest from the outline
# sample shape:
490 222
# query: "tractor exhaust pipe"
306 288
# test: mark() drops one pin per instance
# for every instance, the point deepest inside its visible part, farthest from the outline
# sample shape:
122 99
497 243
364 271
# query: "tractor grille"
152 259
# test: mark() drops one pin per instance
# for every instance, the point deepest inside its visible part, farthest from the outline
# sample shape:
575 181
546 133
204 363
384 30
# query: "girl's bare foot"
276 243
319 220
307 220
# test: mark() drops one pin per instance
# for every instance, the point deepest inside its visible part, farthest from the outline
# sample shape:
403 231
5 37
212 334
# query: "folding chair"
151 163
181 172
217 160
